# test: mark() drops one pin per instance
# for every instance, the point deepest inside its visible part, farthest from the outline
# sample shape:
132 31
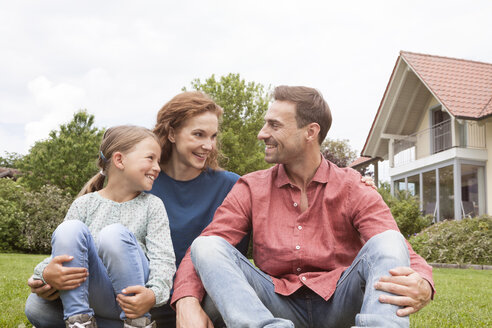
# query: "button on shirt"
342 215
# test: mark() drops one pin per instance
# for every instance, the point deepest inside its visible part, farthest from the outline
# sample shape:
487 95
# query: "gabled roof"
359 161
464 87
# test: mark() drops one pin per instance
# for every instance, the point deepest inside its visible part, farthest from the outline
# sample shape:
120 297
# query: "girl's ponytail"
94 184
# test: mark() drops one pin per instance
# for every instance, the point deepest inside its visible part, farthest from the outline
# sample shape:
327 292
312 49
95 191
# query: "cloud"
122 60
57 102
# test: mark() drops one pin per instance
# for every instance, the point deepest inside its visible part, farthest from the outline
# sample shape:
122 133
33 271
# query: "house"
6 172
434 126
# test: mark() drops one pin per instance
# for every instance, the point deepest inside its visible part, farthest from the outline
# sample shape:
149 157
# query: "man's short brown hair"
310 107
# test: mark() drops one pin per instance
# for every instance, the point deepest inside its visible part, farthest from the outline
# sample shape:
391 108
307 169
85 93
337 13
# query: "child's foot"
142 322
81 321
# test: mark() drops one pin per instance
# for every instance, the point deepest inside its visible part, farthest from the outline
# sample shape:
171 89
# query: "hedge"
467 241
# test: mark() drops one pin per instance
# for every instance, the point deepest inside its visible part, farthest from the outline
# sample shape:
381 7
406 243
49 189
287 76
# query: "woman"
191 183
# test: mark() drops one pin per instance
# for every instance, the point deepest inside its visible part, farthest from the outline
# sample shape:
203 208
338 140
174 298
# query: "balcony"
438 138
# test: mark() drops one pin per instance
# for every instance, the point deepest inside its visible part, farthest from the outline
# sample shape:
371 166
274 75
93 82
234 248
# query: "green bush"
405 210
46 209
460 241
28 218
10 226
11 215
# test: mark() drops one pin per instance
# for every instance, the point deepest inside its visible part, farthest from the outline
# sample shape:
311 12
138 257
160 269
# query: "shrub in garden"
11 215
456 241
28 218
405 210
46 209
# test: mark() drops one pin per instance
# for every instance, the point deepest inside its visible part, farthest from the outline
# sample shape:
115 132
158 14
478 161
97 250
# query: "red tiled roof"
8 172
464 87
360 160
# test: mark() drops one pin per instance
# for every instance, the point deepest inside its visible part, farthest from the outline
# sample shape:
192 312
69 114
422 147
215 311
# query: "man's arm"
231 222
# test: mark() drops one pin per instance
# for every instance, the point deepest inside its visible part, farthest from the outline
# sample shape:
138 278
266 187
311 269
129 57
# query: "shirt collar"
321 175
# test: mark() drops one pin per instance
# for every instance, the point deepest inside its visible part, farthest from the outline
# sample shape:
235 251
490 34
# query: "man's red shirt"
295 248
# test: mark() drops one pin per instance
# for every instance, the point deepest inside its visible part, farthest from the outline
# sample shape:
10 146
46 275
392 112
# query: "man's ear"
170 135
118 160
312 132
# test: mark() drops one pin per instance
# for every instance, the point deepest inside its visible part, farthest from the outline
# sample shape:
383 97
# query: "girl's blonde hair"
176 112
122 139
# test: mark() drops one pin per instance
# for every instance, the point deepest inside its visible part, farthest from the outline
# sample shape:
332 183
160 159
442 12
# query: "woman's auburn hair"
176 112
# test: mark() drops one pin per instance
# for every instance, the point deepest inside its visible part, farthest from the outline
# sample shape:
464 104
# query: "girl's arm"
160 252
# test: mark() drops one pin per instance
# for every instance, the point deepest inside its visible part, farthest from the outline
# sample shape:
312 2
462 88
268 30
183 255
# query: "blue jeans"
42 313
245 296
116 263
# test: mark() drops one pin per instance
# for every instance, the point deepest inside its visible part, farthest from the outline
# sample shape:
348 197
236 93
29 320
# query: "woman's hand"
64 278
43 290
189 314
138 304
369 181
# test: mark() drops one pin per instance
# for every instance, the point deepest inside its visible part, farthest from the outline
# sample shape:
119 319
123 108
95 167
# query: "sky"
122 60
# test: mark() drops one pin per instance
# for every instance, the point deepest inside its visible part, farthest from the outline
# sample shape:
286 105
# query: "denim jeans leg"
124 259
73 237
387 251
355 300
238 290
42 313
355 296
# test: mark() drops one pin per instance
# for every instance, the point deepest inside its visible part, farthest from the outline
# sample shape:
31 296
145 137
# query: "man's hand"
415 292
42 290
138 304
189 314
64 278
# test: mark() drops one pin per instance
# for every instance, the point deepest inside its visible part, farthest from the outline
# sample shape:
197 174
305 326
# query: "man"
327 250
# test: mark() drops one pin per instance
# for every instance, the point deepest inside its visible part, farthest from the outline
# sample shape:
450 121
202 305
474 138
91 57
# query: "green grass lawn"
464 296
15 269
463 299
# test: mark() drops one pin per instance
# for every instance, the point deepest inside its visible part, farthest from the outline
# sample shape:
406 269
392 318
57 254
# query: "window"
413 183
469 190
441 130
446 193
429 192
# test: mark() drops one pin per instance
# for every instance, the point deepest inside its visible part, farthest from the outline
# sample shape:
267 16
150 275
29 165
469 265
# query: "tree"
338 152
66 159
244 104
10 160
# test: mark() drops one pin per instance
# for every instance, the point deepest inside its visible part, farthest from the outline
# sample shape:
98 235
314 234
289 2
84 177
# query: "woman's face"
194 141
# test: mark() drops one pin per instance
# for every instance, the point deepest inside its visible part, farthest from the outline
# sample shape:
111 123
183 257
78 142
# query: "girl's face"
194 141
141 164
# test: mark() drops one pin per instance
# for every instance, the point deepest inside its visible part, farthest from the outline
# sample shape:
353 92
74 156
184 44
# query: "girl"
120 260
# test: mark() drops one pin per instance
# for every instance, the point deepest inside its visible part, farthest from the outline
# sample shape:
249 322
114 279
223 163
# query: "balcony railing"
469 134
